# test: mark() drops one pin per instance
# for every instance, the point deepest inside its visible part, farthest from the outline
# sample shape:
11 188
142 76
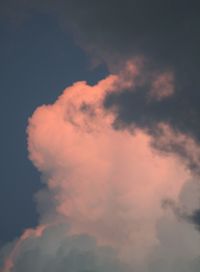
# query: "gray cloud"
195 218
57 251
182 214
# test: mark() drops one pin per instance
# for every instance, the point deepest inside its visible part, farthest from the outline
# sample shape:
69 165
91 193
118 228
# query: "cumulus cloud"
101 209
111 153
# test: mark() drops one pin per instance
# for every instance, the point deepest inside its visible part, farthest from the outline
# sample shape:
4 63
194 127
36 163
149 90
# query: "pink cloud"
102 177
105 183
162 86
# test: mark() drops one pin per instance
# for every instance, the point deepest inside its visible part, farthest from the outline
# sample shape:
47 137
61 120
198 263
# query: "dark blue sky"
38 60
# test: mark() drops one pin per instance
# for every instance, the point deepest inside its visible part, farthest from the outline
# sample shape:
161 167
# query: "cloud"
101 209
162 86
163 34
55 250
94 145
182 214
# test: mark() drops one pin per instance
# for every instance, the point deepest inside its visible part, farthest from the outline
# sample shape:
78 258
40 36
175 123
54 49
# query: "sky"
100 139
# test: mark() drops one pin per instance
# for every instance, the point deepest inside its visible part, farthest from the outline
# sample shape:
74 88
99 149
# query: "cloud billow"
110 153
101 209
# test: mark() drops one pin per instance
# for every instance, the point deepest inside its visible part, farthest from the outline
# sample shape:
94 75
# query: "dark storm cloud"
165 33
135 109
